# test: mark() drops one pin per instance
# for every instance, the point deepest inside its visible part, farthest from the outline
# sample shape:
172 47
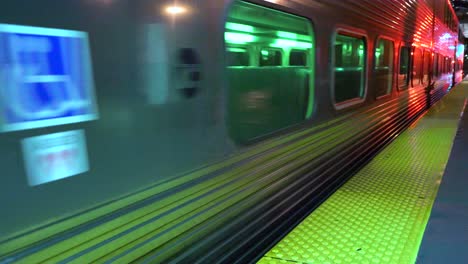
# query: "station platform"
380 215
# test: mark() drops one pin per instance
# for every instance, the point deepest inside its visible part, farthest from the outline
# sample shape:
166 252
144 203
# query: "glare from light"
175 10
445 37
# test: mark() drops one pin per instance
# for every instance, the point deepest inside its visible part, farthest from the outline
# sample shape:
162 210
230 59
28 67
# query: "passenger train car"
199 131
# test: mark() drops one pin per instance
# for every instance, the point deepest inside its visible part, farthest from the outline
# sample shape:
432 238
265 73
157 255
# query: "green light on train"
286 43
236 50
377 52
339 69
239 27
288 35
238 38
293 36
361 50
265 52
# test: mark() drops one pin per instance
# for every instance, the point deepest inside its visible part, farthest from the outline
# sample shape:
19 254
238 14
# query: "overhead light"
239 27
238 38
175 10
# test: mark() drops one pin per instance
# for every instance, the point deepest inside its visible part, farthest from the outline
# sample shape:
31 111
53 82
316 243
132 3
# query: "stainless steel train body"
173 88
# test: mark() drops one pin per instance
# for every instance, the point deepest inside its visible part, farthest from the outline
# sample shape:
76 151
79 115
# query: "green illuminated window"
349 65
263 29
275 90
403 73
383 67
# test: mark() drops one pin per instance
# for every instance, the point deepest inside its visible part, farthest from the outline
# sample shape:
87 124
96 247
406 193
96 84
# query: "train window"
426 67
443 64
297 58
349 60
435 65
270 57
446 69
275 91
403 74
383 67
416 75
449 64
237 57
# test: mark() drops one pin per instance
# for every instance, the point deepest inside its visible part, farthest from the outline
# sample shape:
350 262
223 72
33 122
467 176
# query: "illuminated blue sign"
45 78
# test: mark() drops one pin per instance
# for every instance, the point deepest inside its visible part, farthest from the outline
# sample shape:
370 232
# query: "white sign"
55 156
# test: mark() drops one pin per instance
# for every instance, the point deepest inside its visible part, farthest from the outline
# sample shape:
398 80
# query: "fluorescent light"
287 35
239 38
281 43
239 27
236 50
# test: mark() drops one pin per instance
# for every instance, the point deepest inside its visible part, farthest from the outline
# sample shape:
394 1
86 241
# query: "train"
164 131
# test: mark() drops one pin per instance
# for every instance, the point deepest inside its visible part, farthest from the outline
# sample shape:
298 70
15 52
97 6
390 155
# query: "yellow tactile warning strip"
379 215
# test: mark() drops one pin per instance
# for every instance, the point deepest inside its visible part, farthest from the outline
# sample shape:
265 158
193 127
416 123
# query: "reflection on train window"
349 67
426 66
383 67
417 67
237 57
297 58
275 90
403 74
270 57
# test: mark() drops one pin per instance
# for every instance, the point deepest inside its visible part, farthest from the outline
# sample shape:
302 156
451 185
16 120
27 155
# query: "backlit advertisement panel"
45 77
